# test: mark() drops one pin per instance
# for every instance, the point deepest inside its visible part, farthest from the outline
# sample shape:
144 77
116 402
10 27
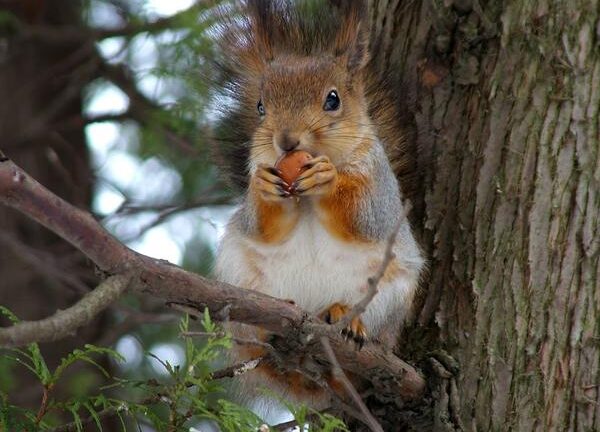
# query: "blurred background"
106 103
155 188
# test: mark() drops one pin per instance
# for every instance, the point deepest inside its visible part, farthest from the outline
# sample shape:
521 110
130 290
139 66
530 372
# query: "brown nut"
291 165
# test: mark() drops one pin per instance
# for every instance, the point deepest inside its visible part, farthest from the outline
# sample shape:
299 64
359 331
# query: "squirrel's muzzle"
287 141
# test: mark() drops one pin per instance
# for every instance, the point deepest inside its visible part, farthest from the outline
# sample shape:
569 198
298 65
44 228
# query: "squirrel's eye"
261 108
332 102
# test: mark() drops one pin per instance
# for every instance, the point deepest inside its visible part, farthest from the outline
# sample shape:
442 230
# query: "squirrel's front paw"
356 330
318 179
269 184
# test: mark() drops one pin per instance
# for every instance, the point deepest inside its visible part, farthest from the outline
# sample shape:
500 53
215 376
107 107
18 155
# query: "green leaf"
120 417
330 423
84 355
93 414
164 364
207 322
9 314
9 22
18 360
76 418
38 364
233 418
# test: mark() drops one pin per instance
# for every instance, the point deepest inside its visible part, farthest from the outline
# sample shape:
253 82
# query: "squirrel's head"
310 103
302 79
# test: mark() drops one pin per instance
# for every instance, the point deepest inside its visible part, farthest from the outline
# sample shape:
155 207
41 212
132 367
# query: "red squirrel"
302 81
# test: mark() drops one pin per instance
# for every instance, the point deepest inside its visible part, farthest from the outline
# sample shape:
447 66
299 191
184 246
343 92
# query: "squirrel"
299 76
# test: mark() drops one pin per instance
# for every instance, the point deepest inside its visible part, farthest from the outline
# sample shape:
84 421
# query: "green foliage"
8 381
175 130
187 393
317 421
198 256
14 418
185 396
32 358
84 355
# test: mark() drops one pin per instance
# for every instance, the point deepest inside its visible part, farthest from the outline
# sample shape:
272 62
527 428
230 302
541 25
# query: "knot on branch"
387 385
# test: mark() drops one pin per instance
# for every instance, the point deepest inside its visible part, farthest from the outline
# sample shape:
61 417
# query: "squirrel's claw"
359 332
270 186
318 179
355 331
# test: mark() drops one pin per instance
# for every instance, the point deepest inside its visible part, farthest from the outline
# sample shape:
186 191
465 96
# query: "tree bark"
506 99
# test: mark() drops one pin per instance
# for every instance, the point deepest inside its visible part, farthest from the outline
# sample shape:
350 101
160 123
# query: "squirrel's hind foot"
355 330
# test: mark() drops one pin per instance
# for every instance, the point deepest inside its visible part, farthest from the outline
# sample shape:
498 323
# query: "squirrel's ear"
352 38
263 23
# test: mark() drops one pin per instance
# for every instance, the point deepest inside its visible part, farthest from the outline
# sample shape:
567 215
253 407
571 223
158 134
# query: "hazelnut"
291 165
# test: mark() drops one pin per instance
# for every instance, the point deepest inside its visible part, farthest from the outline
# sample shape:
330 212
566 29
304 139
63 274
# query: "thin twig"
44 263
374 280
339 375
44 404
207 200
237 340
74 426
70 90
237 369
68 34
167 213
285 426
80 121
132 321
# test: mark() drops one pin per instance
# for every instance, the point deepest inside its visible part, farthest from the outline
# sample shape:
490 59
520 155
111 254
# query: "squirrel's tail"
390 112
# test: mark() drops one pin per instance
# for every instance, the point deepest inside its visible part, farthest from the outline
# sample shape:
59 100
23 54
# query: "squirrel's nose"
287 142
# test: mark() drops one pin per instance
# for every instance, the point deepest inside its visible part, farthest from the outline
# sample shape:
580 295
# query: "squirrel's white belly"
315 270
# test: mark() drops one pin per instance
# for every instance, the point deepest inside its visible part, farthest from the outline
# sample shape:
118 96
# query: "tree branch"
237 340
64 323
44 263
338 374
390 375
69 34
236 369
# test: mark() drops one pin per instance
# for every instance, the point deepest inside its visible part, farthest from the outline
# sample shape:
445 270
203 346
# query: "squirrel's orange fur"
340 207
273 222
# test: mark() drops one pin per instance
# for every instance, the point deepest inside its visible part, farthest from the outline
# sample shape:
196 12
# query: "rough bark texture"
507 96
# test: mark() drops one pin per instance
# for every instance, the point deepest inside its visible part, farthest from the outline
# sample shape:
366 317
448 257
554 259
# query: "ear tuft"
352 39
262 19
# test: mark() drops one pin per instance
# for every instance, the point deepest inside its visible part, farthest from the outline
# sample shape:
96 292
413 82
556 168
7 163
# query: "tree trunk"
41 86
506 99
